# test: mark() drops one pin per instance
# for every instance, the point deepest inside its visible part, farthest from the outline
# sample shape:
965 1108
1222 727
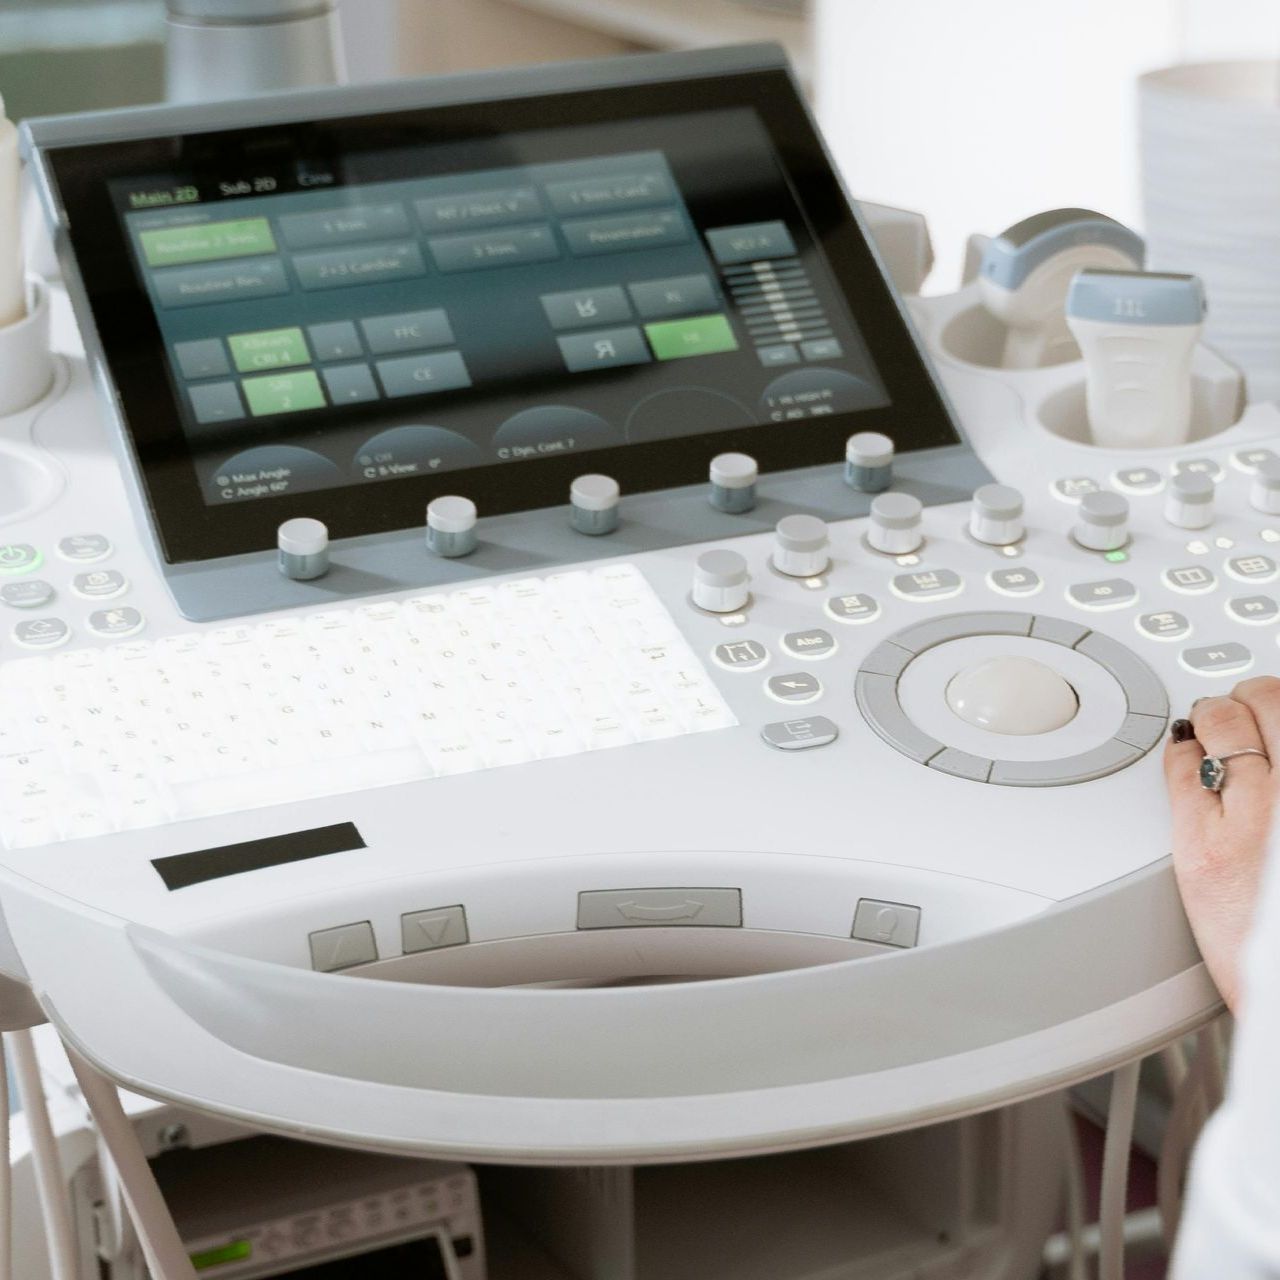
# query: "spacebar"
299 782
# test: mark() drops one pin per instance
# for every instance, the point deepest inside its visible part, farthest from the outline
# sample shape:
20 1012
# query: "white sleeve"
1231 1226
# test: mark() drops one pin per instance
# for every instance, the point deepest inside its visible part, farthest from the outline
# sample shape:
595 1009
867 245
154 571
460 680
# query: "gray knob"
303 546
451 526
996 515
1188 503
897 524
1102 521
868 462
721 583
1264 493
733 479
593 504
801 546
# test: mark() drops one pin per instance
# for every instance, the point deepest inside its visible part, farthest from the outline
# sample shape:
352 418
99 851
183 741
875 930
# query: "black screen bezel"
188 530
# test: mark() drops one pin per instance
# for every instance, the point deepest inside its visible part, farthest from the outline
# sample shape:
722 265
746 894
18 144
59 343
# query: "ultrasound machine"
520 647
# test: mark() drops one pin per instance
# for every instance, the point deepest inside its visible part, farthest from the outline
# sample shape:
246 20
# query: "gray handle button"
1253 568
800 735
1253 609
1217 659
34 593
660 908
1168 625
795 686
42 633
1112 593
892 924
431 930
343 947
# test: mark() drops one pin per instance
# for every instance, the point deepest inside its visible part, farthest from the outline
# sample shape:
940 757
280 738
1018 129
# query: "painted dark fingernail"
1182 731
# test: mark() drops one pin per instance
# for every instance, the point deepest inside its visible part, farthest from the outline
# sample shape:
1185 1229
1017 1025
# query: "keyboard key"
137 734
1217 659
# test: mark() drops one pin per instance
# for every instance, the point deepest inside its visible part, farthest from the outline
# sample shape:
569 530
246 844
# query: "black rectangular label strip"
185 869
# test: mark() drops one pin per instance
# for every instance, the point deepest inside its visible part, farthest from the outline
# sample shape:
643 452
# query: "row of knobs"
801 549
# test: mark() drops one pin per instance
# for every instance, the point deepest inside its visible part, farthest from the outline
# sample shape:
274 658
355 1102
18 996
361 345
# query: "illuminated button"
701 336
1073 488
1139 479
852 608
42 633
116 622
1015 582
274 393
268 349
1199 467
796 686
1111 593
1256 609
18 557
1192 579
33 593
1168 625
814 643
1217 659
99 584
929 584
1249 460
84 548
1253 568
741 655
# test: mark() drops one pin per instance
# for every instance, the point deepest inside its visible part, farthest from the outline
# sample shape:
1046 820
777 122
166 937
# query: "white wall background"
979 112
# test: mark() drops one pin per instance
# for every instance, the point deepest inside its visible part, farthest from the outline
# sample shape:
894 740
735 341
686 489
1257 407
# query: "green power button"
701 336
19 557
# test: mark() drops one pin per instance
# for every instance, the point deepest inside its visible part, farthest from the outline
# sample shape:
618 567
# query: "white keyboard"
140 734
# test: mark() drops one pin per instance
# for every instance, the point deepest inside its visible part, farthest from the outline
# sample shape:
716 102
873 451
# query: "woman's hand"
1220 839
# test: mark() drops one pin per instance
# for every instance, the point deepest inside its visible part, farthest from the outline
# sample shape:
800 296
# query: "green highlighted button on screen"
268 349
207 242
701 336
283 393
237 1251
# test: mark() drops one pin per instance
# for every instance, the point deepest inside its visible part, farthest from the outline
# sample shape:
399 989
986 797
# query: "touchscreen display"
347 316
344 327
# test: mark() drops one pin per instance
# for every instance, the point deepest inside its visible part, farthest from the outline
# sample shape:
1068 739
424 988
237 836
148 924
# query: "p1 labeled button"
800 735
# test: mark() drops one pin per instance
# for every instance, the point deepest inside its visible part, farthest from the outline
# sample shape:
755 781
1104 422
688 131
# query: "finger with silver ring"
1235 761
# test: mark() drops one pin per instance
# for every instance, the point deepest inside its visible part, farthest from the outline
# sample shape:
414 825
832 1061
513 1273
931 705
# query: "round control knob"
1013 695
1264 493
721 583
451 526
897 526
1189 502
1102 522
593 504
733 482
303 545
800 547
996 515
868 462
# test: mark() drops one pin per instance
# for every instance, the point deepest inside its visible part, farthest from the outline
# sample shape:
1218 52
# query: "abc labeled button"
800 735
813 643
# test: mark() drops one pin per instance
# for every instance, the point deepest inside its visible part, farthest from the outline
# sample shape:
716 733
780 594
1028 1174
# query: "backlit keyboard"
139 734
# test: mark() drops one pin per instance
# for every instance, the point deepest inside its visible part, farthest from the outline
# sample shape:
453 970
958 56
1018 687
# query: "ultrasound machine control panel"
651 602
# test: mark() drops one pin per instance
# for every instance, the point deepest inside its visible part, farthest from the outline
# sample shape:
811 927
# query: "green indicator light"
701 336
1116 557
236 1251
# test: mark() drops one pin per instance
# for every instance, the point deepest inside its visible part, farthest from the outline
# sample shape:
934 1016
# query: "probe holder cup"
26 363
